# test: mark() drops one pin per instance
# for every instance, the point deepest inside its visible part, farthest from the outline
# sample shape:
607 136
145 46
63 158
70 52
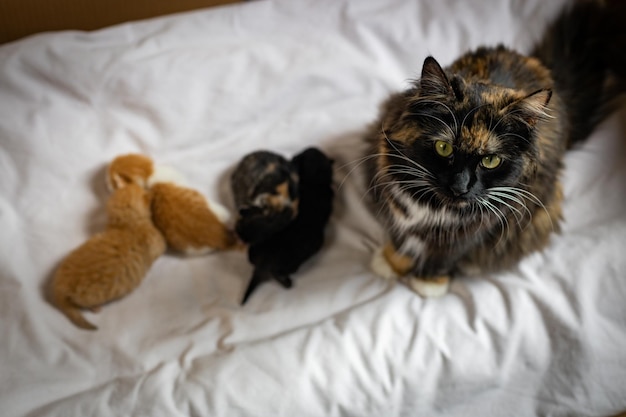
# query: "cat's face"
457 144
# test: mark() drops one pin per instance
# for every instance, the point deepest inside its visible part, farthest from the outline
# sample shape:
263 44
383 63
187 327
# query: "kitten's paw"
381 267
430 288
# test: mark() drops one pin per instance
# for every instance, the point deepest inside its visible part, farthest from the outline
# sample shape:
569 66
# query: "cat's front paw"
381 267
430 288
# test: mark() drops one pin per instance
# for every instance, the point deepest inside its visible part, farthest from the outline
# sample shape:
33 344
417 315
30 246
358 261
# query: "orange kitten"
189 222
112 263
128 169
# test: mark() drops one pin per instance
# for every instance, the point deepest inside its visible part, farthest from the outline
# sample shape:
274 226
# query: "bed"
199 90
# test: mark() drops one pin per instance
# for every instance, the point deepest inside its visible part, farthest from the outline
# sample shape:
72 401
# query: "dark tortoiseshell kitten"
465 164
264 186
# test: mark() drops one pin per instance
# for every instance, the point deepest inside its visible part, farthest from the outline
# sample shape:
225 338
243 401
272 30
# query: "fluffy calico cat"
280 255
465 164
112 263
189 222
264 186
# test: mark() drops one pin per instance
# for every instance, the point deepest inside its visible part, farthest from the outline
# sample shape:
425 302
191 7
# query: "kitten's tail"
584 48
72 312
259 276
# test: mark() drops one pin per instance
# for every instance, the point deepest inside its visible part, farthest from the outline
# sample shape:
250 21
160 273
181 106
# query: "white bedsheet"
200 90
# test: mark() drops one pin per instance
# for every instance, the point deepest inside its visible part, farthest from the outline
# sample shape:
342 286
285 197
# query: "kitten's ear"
117 181
531 108
434 81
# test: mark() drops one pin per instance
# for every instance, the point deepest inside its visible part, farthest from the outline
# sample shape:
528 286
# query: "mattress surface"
198 91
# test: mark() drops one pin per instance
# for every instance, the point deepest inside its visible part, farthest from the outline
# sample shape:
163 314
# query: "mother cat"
464 165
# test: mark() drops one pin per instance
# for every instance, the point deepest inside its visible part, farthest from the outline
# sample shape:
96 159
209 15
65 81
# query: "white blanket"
198 91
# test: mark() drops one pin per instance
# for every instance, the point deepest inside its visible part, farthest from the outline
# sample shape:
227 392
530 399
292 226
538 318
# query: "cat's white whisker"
405 185
505 116
452 132
358 163
516 212
529 196
403 157
428 100
516 136
472 111
499 215
512 197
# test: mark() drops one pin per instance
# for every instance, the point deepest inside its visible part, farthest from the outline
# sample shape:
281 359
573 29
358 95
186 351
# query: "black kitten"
282 254
264 185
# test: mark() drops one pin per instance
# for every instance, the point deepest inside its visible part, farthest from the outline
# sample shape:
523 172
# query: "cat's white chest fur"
414 216
417 215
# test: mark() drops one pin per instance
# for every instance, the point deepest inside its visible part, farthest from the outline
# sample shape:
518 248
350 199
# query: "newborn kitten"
112 263
190 223
465 165
282 254
264 186
129 169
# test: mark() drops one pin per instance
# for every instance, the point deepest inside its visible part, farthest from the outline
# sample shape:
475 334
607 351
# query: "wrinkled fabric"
198 91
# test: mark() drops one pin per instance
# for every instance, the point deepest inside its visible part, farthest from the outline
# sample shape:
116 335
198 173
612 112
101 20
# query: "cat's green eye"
491 161
443 148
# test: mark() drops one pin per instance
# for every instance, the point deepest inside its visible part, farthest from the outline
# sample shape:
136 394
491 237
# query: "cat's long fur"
112 263
465 164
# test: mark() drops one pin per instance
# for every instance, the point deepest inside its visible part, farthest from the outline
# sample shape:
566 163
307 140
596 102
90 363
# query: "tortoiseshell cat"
465 164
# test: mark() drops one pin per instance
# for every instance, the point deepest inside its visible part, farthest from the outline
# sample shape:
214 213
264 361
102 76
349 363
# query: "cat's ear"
531 108
117 181
434 81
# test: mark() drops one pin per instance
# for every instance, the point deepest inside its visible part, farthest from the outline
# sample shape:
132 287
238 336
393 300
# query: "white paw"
381 267
430 288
